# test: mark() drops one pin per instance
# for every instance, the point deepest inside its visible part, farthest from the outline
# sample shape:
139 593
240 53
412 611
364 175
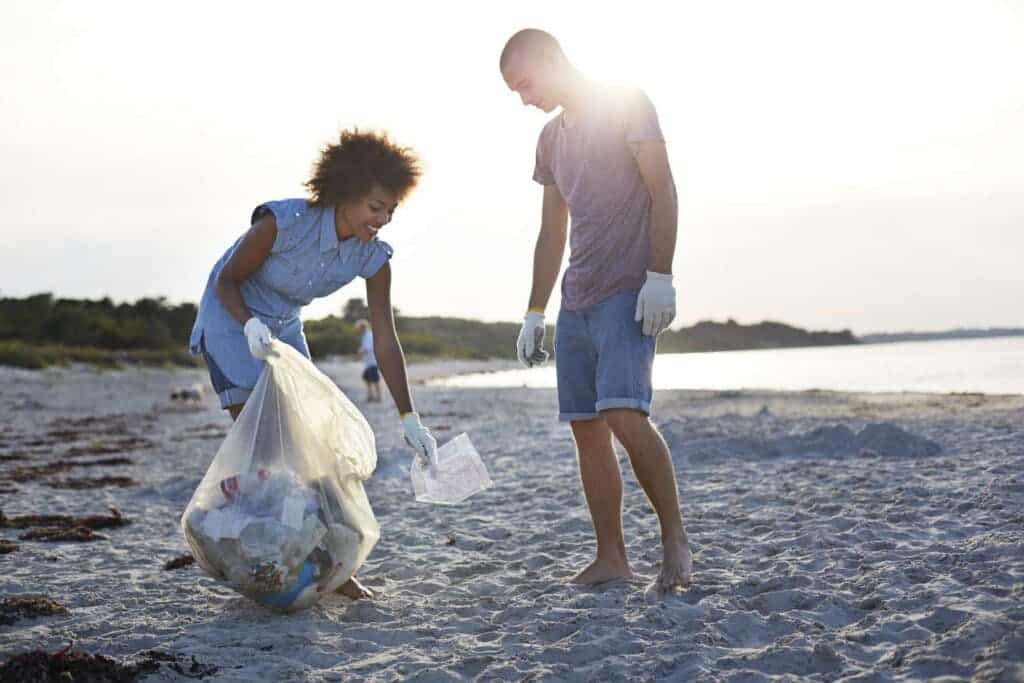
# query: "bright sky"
839 164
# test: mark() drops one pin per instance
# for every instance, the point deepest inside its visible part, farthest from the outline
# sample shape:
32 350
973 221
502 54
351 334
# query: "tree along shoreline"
40 331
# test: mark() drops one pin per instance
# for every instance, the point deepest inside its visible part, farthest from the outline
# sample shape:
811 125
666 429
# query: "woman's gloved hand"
420 439
258 335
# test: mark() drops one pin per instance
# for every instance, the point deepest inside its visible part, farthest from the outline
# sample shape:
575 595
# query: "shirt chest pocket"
284 275
333 279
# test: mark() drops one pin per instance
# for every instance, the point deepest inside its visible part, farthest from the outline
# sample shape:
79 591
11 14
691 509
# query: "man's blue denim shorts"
603 359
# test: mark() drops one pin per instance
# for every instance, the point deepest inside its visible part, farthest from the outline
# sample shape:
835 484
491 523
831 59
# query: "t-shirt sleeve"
642 120
380 253
289 215
542 165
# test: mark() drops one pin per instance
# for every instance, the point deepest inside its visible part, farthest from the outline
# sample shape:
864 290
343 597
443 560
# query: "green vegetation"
731 336
39 331
33 357
146 324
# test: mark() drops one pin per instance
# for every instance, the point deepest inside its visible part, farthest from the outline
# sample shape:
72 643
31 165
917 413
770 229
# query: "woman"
299 249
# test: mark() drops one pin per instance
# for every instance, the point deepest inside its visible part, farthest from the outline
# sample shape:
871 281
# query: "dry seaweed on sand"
95 483
105 462
55 528
151 660
54 534
106 447
179 562
36 472
15 609
39 665
65 665
113 520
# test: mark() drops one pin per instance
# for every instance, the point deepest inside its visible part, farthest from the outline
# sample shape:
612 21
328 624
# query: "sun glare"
605 56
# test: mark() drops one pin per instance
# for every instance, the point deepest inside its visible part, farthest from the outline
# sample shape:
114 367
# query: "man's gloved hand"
258 335
656 303
420 439
531 336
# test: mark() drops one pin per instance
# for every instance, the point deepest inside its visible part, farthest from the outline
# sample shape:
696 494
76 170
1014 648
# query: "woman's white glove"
656 303
531 336
258 335
420 439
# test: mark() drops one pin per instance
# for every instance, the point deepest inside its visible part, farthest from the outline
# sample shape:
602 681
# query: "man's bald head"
534 67
530 42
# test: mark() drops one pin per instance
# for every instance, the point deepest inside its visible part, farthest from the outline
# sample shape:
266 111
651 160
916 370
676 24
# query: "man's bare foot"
677 567
601 571
354 590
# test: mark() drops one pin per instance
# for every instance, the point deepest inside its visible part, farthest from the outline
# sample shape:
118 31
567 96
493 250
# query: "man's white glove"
531 336
656 303
258 335
420 439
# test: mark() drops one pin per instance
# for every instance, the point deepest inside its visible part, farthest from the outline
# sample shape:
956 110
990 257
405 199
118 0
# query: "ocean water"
990 366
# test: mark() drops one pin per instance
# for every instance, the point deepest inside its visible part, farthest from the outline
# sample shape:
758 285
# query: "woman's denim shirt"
307 261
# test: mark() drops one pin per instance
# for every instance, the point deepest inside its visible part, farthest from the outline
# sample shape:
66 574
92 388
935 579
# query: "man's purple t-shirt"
592 165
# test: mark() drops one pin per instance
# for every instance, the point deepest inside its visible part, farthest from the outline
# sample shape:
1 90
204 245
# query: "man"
602 161
371 374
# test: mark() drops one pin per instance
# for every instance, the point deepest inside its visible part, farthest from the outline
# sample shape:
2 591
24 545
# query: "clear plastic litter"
460 473
281 515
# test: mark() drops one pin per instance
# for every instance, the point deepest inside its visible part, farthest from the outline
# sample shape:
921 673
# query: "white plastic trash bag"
459 474
281 515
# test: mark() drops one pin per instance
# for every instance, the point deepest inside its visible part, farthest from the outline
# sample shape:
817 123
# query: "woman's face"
366 216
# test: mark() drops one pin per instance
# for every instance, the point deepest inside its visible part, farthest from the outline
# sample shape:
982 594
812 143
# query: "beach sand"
836 537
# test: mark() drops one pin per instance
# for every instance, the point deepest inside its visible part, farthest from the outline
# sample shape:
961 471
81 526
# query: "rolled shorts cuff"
635 404
233 396
572 417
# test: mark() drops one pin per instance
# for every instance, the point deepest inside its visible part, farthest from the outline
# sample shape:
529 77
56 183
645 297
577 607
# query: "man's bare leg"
351 588
652 464
602 486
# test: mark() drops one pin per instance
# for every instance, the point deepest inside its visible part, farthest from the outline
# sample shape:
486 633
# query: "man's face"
533 79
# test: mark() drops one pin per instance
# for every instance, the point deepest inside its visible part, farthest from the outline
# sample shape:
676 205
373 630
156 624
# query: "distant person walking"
602 160
371 375
297 250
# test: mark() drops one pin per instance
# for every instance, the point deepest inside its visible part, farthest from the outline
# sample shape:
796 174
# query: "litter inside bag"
281 515
459 474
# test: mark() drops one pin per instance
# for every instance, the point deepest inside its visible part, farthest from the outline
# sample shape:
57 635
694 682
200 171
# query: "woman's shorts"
228 393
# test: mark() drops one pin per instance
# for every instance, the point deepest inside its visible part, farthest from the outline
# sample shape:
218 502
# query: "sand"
836 537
